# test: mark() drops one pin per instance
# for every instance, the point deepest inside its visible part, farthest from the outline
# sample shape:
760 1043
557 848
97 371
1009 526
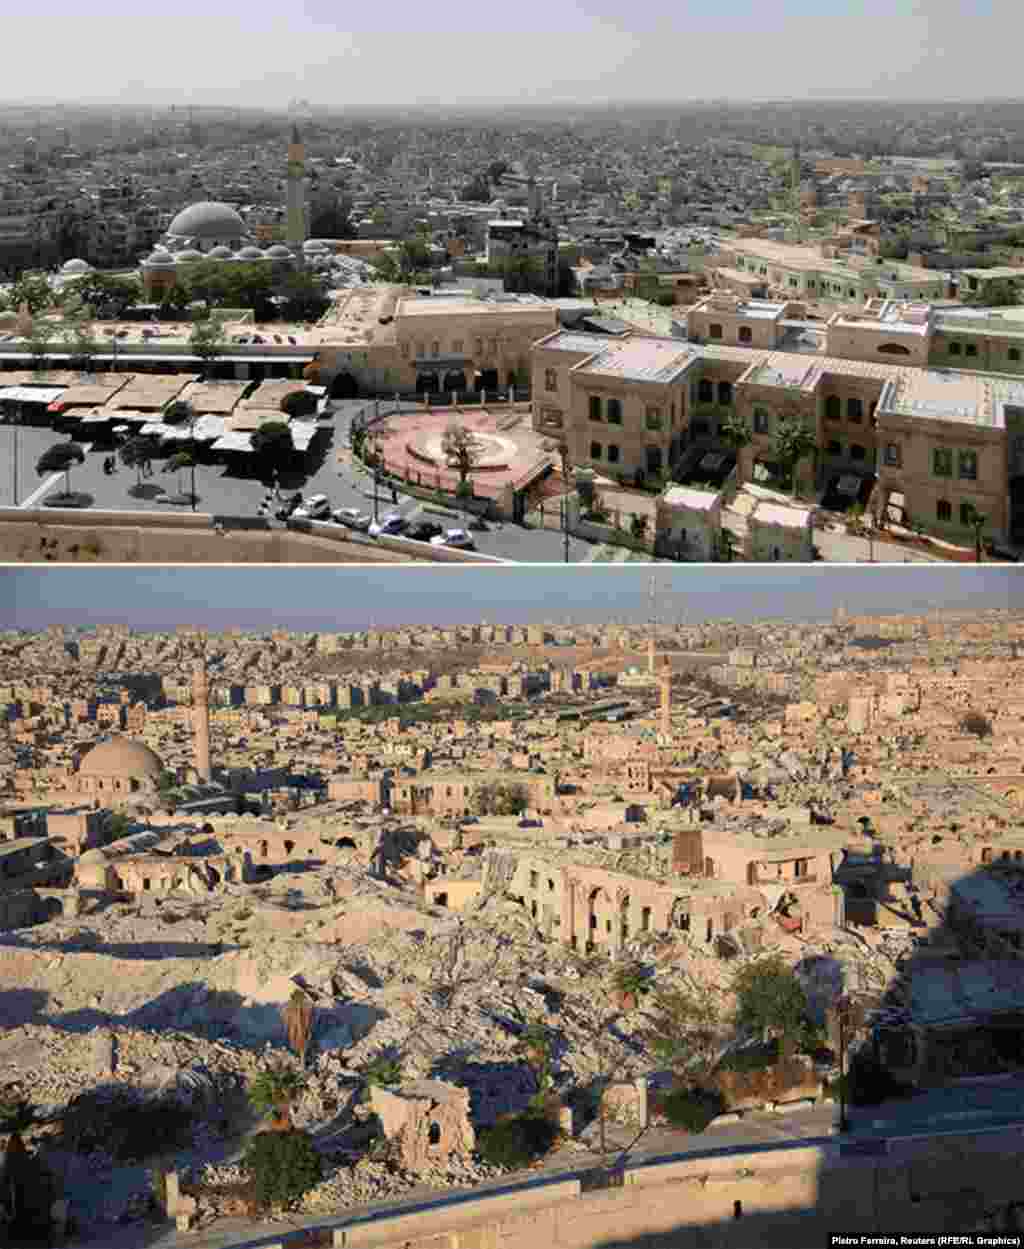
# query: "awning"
303 434
30 394
208 428
233 442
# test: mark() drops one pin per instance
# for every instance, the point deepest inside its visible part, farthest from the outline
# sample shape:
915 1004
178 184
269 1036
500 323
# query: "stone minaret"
665 685
296 226
651 656
201 720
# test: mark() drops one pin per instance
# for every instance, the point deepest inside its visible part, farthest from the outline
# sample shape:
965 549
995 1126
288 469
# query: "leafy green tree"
137 452
735 432
304 298
382 1071
770 1000
179 412
791 442
501 798
179 462
109 296
38 340
282 1167
59 459
272 443
207 341
299 404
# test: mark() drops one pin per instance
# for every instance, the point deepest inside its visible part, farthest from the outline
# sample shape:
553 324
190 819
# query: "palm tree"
273 1093
59 459
978 522
791 442
737 434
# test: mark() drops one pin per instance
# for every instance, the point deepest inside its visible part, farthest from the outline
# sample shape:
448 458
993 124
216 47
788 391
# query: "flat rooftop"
577 341
687 496
778 514
427 305
642 360
935 394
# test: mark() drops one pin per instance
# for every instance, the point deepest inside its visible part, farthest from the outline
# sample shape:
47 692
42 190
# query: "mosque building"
213 231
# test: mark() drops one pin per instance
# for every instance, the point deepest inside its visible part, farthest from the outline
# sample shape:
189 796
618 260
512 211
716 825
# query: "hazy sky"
350 599
452 52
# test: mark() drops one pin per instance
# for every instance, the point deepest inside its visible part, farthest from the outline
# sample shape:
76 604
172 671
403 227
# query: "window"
725 392
551 417
971 349
550 379
613 453
614 411
967 465
834 448
833 408
894 349
810 284
653 416
857 452
893 454
595 407
967 513
714 330
701 428
944 510
746 334
954 349
850 291
942 462
421 349
595 450
1013 354
479 346
457 346
654 459
533 880
705 391
760 421
854 410
405 351
673 418
435 348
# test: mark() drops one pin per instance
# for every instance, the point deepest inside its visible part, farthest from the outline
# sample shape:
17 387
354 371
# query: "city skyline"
351 599
588 54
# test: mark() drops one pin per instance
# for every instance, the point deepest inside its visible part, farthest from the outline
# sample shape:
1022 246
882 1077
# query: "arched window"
595 407
714 330
746 334
833 408
894 349
854 409
705 391
615 411
725 392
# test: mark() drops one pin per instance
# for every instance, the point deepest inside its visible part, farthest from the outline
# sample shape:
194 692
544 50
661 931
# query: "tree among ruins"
501 798
297 1017
770 1000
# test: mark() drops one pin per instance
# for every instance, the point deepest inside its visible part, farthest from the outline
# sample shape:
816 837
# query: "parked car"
316 507
353 518
425 531
392 523
288 505
454 537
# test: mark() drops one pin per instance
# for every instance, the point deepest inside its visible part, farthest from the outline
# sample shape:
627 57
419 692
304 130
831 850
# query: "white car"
316 507
353 518
454 537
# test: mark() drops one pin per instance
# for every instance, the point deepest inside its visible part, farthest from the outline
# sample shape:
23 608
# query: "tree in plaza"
299 403
81 343
59 459
462 449
791 442
137 452
178 463
40 336
272 443
770 1000
207 341
179 412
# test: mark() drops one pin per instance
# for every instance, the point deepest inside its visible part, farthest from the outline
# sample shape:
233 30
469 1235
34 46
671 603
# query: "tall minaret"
665 681
296 227
201 720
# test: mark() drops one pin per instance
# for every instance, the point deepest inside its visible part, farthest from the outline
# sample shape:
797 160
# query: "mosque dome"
207 220
121 756
220 252
250 253
72 267
189 254
279 252
160 259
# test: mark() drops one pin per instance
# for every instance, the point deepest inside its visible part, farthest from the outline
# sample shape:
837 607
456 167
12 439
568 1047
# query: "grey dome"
250 253
220 252
208 220
76 266
190 253
160 259
279 252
